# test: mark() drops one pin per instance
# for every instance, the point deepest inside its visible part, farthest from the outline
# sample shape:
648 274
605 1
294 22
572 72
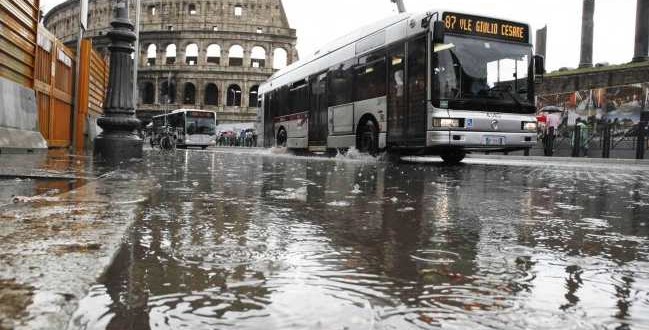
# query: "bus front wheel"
453 157
367 139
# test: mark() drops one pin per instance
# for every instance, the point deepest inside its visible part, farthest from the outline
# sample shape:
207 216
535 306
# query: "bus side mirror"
539 68
439 29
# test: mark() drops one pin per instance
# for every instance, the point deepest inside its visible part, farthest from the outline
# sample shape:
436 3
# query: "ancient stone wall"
200 54
576 80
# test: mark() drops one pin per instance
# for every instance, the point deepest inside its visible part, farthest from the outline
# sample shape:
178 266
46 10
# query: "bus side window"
282 100
370 78
299 96
341 82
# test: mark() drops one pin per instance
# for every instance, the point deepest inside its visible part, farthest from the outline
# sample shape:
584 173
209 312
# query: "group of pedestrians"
580 134
244 138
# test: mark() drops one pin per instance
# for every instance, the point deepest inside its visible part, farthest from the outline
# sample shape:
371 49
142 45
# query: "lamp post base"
115 147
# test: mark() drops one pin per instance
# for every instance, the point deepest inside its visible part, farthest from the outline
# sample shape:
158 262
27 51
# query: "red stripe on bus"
295 116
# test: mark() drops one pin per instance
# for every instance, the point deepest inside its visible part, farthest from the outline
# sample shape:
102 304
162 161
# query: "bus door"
318 111
415 125
396 95
268 106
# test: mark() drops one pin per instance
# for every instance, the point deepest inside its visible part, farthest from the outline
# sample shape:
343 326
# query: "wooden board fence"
93 81
18 26
54 86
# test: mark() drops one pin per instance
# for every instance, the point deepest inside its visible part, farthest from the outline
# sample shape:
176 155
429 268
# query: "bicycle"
166 140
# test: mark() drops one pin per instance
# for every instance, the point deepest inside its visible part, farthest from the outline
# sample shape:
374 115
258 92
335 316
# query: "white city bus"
190 128
436 83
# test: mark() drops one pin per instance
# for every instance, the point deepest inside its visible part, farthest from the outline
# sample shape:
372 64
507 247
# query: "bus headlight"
447 122
529 126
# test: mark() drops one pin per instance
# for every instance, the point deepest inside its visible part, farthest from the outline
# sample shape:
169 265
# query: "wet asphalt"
261 240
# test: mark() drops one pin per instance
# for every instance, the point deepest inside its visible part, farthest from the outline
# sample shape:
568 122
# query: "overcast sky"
319 21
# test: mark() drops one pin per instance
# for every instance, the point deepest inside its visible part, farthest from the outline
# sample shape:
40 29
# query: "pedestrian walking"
553 121
580 138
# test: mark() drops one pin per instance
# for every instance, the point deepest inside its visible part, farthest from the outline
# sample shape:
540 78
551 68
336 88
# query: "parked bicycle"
166 139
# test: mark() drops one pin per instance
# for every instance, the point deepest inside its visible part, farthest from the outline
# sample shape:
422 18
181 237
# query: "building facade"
209 55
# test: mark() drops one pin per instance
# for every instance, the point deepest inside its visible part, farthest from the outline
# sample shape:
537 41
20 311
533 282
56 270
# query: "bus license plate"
494 140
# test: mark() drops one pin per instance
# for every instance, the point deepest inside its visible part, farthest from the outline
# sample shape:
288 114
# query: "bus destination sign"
486 27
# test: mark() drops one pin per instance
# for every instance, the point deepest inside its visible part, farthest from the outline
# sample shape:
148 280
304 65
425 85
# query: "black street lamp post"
119 140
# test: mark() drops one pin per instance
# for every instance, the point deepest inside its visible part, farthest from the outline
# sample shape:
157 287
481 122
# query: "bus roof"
384 32
339 50
184 110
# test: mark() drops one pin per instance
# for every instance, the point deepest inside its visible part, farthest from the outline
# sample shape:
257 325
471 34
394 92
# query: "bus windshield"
203 124
480 74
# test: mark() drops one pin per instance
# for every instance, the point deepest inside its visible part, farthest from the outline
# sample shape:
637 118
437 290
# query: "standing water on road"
249 241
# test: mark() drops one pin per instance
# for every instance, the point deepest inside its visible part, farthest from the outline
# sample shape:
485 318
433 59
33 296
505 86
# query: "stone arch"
213 54
191 54
258 57
192 9
280 58
170 54
189 93
211 94
235 55
167 92
253 96
234 96
148 93
151 54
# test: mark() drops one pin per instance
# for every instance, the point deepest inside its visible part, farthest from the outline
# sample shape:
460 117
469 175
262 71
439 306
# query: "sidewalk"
577 160
60 230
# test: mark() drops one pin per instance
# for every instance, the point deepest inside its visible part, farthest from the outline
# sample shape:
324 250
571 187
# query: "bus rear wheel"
282 137
367 139
453 157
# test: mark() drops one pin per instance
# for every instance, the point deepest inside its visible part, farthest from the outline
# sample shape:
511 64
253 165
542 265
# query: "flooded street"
234 240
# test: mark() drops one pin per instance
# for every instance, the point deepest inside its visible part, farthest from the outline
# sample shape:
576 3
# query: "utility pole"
400 5
83 26
136 58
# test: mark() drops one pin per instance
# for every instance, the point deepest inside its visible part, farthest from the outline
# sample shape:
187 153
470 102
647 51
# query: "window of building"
170 55
215 28
260 30
211 94
280 58
189 94
234 96
238 10
191 54
213 55
192 9
152 10
151 54
253 97
148 93
170 27
168 92
235 55
258 57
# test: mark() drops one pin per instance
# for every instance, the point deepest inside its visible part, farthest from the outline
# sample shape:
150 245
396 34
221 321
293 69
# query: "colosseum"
198 54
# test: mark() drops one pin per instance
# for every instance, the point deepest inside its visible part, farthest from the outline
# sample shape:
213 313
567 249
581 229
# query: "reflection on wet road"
247 241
